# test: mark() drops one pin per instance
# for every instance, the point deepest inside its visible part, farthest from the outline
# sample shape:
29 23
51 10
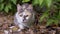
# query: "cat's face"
25 16
25 12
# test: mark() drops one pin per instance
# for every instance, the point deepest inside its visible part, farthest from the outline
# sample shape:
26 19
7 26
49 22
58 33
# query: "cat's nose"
24 19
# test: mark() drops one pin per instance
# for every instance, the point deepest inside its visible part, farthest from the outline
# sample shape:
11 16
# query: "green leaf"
57 0
6 9
56 22
58 15
14 1
1 6
25 0
9 5
1 1
49 22
34 2
48 2
45 14
59 12
40 2
52 21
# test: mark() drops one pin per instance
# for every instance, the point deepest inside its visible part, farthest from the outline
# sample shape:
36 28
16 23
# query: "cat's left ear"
18 7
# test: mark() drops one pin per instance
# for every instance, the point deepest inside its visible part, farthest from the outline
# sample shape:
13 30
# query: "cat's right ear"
18 7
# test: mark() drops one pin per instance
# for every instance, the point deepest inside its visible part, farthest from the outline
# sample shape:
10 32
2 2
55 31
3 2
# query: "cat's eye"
29 9
26 15
20 15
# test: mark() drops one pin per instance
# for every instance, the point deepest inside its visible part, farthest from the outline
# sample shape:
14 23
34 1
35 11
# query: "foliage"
52 7
42 2
25 0
6 5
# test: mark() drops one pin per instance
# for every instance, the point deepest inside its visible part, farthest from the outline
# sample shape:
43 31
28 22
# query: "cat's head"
25 11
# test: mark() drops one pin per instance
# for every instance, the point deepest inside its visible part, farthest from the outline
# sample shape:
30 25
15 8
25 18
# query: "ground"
6 21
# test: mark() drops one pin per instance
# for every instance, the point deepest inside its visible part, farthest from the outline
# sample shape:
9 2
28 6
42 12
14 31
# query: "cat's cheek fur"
19 19
27 17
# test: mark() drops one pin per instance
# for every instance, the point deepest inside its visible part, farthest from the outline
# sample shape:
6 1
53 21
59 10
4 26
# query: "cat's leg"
20 27
6 32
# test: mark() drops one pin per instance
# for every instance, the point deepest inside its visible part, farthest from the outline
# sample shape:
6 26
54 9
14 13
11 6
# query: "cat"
25 16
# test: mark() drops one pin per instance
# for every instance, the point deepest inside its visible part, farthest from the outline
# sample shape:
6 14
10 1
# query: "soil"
8 27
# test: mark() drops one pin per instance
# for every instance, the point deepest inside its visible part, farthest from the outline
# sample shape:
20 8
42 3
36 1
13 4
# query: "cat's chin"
24 21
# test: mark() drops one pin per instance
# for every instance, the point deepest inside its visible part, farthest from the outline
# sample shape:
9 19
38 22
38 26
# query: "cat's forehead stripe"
26 13
25 6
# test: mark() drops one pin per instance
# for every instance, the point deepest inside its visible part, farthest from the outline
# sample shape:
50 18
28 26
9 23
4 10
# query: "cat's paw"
19 30
21 26
6 32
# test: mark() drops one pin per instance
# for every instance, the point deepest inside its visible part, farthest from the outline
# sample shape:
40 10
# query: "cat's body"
24 16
